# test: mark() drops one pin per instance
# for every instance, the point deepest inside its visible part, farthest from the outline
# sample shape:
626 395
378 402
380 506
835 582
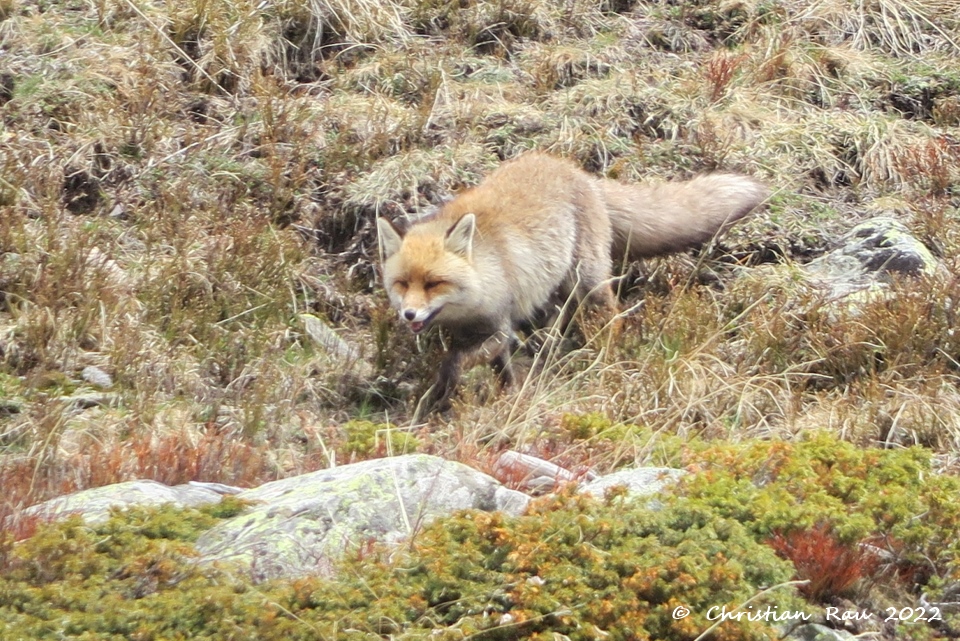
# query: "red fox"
536 231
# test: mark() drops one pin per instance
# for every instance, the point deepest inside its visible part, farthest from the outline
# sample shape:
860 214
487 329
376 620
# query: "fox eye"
402 284
432 284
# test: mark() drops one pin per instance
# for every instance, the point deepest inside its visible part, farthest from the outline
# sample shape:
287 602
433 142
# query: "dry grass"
178 183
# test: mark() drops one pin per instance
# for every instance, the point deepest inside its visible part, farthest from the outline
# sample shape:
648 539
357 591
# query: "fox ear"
459 239
390 238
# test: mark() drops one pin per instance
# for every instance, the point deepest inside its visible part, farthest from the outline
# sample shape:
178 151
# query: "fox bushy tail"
653 220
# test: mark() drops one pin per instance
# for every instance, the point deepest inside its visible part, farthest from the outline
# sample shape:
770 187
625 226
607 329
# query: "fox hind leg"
590 299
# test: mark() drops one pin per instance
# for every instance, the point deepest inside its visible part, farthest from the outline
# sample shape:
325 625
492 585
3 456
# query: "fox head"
428 271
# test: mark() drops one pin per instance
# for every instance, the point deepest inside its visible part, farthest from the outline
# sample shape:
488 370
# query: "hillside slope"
180 182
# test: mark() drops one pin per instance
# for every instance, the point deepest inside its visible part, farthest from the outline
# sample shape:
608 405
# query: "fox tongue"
417 326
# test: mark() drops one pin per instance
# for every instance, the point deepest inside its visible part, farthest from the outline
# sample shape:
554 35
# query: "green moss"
134 576
11 387
584 426
53 381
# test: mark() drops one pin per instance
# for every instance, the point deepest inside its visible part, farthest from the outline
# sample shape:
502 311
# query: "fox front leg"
437 398
497 350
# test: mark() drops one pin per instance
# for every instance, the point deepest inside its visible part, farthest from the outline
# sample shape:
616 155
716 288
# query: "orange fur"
534 232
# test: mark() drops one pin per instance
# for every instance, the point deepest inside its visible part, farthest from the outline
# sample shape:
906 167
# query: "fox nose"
410 314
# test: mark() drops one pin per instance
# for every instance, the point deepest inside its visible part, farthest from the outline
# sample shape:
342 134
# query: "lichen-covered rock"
301 525
94 505
858 271
867 255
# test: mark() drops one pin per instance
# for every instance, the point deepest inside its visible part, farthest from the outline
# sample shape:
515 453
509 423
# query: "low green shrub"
366 439
573 566
879 525
875 526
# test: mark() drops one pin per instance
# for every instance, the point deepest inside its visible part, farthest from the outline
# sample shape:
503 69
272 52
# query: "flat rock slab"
302 525
94 505
817 632
643 481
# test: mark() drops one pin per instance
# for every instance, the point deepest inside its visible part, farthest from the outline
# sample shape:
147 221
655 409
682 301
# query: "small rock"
867 255
331 342
817 632
533 474
96 376
642 481
10 264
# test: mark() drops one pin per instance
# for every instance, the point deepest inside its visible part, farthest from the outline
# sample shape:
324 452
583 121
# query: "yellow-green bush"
572 565
893 519
365 438
575 566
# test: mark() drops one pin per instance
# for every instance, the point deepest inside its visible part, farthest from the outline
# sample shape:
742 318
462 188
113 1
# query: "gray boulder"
301 525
